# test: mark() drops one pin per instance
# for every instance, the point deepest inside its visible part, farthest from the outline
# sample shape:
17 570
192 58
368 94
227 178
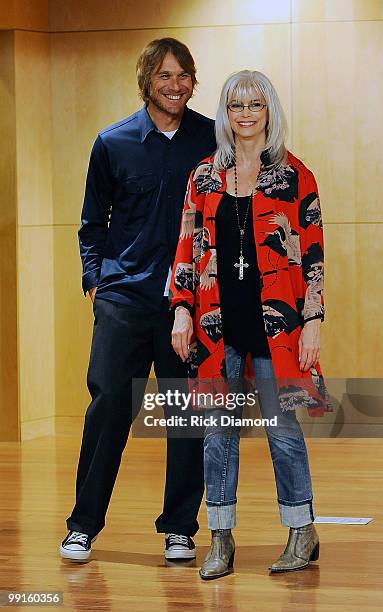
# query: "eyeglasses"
238 107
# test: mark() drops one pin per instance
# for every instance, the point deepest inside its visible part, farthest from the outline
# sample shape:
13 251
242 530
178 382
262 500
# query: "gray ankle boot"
301 548
220 558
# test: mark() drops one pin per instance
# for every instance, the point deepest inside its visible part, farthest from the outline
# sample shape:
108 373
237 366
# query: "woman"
248 283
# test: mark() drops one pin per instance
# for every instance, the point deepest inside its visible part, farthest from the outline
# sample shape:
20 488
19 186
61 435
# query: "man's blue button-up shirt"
134 197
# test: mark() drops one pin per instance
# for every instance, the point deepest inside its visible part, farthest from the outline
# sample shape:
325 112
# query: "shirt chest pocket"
139 194
141 184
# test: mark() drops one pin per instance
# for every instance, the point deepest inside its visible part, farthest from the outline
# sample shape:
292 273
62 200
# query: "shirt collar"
146 124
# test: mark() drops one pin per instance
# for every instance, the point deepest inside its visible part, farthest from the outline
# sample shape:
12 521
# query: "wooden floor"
127 571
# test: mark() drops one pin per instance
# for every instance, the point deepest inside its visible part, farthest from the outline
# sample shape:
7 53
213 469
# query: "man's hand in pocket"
92 293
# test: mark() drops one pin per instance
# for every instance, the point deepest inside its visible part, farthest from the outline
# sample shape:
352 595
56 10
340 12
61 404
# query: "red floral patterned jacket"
288 235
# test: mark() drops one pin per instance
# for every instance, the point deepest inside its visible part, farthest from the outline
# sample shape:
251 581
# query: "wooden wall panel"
35 232
337 130
9 418
73 326
34 129
24 15
336 10
36 324
339 331
352 337
369 299
337 114
131 14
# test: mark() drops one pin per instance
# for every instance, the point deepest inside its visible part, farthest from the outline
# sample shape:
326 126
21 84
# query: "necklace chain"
241 264
241 229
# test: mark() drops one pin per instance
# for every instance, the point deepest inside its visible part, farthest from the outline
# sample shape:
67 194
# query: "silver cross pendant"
241 265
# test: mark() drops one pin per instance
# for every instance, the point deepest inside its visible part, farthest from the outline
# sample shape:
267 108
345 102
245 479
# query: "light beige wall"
27 315
336 10
35 233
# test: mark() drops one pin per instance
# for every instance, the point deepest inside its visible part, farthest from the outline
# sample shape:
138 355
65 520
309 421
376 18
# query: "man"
131 216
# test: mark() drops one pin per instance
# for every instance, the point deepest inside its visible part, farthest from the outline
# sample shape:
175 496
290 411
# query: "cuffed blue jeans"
287 448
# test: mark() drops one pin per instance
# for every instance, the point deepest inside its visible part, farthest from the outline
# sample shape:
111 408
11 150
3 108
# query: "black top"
133 204
241 309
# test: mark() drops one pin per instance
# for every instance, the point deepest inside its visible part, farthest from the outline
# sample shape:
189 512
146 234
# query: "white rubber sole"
180 554
77 556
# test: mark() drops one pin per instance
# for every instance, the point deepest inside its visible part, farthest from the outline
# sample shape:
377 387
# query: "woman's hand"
182 332
309 344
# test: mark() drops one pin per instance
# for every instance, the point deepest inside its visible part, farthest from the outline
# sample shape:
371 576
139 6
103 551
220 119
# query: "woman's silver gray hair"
242 86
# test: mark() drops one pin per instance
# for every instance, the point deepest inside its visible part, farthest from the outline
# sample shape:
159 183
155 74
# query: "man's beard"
157 102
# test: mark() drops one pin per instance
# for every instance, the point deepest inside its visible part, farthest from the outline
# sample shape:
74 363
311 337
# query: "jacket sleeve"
312 248
95 215
183 281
